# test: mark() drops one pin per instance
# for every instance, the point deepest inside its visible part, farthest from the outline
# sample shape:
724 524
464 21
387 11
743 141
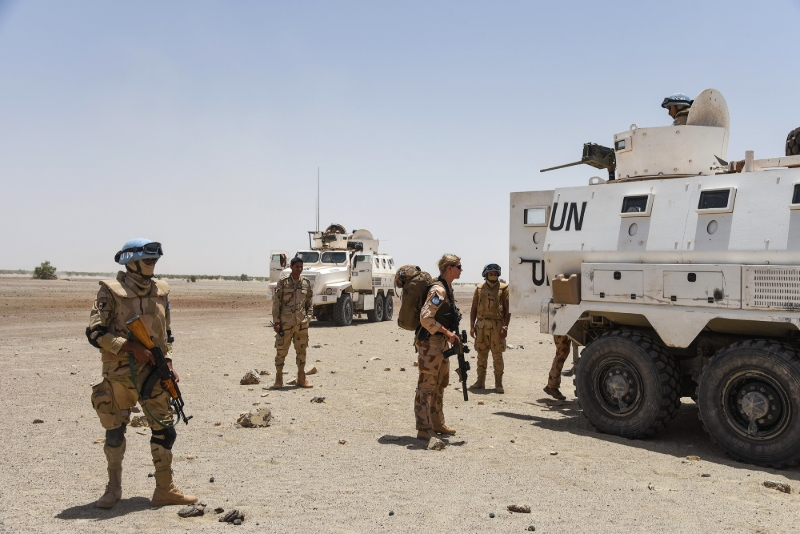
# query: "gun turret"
598 156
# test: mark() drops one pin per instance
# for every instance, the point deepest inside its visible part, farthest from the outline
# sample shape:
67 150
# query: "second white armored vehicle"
681 279
347 273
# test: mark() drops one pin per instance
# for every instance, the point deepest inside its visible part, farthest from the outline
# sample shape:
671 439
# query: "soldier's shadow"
90 511
413 444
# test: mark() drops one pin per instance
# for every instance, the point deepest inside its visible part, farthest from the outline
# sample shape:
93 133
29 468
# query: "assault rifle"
161 370
460 348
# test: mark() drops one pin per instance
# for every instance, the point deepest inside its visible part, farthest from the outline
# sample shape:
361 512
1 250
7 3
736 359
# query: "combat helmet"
489 267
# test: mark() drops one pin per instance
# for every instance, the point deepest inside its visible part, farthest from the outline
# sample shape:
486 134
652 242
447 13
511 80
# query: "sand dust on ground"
296 476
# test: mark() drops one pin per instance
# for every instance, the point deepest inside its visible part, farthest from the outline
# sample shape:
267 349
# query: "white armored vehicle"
347 273
681 278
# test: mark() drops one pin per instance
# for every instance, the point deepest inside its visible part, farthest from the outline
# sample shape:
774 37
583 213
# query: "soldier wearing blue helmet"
488 320
126 365
678 105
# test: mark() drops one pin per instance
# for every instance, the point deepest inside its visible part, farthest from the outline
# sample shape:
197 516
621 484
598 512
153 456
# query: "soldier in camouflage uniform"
436 332
488 319
291 311
563 344
126 365
678 105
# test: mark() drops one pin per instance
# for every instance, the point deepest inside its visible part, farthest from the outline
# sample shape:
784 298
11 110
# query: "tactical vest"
127 305
490 301
447 315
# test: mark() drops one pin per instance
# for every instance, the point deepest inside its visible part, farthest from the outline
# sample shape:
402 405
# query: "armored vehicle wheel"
375 315
749 399
793 142
388 308
627 384
343 310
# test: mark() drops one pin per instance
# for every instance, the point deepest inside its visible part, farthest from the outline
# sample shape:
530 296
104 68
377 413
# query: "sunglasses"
458 267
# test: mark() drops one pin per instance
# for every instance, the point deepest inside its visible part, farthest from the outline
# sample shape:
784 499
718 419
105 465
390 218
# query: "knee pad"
115 437
164 436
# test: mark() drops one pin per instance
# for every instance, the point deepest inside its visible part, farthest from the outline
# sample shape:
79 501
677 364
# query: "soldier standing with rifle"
438 330
134 297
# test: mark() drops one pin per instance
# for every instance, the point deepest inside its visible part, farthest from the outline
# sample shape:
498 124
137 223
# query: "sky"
202 124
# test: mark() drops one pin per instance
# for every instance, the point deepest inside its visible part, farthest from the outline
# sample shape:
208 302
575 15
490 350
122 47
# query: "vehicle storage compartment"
697 285
618 285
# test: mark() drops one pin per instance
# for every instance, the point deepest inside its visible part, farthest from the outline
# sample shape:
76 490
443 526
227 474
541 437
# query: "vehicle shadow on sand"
90 511
412 443
683 437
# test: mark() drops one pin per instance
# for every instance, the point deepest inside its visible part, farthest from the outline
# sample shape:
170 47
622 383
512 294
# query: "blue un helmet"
677 99
138 249
489 267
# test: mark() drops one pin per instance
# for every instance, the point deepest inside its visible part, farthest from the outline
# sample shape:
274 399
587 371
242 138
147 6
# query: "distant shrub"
45 271
193 278
244 278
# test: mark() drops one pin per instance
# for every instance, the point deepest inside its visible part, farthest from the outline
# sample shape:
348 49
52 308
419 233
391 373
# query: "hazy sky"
202 124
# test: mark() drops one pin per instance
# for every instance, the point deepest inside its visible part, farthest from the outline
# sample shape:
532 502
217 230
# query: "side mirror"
283 260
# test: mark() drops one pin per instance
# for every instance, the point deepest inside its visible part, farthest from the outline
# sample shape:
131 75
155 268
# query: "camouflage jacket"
291 304
492 300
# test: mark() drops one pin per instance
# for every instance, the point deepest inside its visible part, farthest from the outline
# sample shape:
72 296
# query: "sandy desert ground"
294 476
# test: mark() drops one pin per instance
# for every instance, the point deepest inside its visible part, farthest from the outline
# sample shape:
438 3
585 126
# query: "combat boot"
498 383
426 434
301 380
554 392
113 492
166 492
480 383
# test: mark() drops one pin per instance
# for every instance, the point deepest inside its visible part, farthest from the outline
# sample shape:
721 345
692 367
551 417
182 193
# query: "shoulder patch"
436 300
100 304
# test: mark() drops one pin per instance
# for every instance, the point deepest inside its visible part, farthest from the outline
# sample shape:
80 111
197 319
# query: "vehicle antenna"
317 199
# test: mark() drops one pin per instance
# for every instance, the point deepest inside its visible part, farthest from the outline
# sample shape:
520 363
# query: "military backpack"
414 282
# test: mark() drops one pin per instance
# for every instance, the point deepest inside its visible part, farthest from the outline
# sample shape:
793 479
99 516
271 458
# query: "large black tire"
758 378
375 315
627 384
343 310
793 142
388 308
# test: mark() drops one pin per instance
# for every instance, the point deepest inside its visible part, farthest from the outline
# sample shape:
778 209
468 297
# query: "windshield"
334 257
361 258
308 257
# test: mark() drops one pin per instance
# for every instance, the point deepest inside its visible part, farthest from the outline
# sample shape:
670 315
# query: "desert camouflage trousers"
114 397
297 334
487 337
434 372
563 346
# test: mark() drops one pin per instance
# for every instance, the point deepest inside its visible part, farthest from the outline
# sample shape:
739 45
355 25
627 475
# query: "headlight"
329 291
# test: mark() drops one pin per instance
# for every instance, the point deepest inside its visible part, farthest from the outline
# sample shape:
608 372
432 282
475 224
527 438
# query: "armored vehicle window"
535 216
276 257
714 200
796 195
334 257
391 263
636 204
384 262
377 263
619 145
362 257
308 257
